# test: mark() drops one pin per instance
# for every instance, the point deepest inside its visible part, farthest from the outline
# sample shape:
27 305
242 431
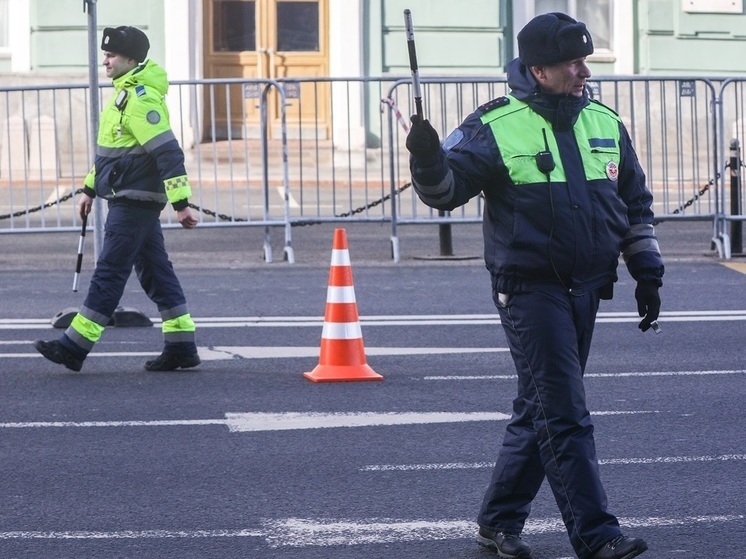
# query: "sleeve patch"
453 139
153 117
140 90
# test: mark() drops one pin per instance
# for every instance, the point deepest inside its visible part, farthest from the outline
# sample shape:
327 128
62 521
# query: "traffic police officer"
564 195
138 169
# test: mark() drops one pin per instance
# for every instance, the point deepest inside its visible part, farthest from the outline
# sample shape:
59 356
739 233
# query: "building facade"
47 41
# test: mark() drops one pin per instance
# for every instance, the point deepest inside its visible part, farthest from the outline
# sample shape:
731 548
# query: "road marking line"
255 422
292 202
259 352
309 532
597 375
128 534
223 353
304 532
95 354
152 423
244 422
606 462
397 320
283 421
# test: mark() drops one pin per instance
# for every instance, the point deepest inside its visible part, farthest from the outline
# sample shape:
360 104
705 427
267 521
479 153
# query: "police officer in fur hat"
138 169
564 195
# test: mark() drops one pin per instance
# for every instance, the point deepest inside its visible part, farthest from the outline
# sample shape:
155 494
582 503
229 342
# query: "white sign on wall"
713 6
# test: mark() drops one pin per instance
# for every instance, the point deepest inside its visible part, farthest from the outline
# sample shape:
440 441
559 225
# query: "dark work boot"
172 361
621 547
508 546
56 353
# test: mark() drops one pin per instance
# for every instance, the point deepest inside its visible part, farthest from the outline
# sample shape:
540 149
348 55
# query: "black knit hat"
551 38
129 41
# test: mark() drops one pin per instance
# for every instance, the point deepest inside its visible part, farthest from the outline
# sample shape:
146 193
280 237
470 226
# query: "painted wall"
58 35
672 41
468 38
651 37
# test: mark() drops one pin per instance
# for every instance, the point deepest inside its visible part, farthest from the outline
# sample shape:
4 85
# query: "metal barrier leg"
736 227
267 246
395 248
288 251
726 246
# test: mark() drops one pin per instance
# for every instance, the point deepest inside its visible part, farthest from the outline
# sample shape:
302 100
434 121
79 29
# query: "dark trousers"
550 433
133 239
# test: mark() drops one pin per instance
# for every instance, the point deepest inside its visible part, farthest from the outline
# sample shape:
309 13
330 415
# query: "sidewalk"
369 244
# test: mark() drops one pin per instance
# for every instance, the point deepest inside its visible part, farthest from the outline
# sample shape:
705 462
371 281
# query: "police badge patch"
453 139
612 171
153 117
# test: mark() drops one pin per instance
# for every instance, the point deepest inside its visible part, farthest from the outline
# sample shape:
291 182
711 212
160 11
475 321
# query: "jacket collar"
561 110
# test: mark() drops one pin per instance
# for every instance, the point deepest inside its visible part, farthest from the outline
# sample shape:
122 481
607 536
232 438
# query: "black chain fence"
206 211
226 217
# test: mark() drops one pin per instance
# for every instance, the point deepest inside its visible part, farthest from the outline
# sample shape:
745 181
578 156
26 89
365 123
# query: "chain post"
736 227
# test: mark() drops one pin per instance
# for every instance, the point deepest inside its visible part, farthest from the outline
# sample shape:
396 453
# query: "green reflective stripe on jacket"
520 132
88 329
90 178
183 323
177 188
599 142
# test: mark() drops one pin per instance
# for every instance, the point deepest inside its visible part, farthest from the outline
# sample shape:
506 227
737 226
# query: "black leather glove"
648 303
423 141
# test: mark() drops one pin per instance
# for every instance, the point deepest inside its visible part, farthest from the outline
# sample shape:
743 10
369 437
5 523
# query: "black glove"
423 141
648 303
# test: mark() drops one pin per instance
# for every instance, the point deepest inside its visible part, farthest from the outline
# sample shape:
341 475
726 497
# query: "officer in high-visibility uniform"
564 195
138 169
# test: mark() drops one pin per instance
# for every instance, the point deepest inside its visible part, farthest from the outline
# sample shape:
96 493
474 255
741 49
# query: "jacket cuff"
88 191
180 205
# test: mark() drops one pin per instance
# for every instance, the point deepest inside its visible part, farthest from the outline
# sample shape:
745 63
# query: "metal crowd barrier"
732 115
289 153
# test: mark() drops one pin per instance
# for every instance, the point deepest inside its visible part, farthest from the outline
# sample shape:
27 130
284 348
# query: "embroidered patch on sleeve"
453 139
153 117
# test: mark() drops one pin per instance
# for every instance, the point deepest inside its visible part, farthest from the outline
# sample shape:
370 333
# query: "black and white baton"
81 246
413 62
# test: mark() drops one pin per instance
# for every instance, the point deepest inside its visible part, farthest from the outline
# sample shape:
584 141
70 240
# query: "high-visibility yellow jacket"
137 155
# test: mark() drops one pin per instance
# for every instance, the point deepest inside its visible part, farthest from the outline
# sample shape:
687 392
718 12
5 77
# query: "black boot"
621 547
508 546
56 353
172 361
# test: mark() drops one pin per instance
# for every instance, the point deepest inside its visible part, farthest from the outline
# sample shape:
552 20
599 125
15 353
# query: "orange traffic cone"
342 356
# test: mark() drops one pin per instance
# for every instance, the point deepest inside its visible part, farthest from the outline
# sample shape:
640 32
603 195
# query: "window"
235 26
297 26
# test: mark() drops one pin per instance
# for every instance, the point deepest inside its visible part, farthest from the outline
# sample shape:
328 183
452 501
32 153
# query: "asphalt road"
246 458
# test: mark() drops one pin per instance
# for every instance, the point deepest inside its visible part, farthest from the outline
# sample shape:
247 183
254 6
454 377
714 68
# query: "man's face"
566 78
117 64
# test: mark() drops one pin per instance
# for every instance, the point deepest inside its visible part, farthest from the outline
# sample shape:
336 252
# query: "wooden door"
268 39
